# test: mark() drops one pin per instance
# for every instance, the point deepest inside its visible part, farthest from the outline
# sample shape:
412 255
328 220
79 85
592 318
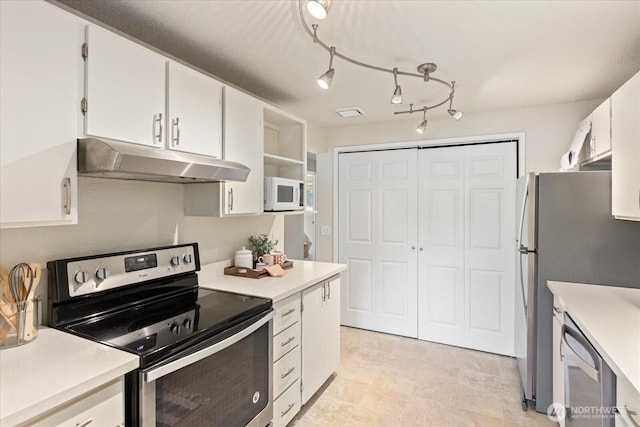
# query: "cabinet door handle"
158 120
230 199
286 411
85 423
324 292
287 342
291 311
286 374
329 288
175 131
67 196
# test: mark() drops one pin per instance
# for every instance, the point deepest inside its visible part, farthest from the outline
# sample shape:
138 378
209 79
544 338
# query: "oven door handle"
163 370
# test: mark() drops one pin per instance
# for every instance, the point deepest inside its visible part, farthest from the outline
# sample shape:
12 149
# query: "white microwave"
283 194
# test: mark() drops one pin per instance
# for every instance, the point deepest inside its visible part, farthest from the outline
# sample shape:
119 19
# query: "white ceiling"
502 54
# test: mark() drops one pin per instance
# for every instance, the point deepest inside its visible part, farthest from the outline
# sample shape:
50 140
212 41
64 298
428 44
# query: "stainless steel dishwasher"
590 385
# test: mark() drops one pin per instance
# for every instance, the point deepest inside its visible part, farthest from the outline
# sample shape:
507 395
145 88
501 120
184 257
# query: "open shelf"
272 159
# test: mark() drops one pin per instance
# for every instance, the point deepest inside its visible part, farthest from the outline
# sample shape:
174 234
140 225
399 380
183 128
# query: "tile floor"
386 380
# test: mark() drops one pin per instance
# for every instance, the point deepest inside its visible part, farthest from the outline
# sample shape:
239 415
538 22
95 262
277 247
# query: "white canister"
244 258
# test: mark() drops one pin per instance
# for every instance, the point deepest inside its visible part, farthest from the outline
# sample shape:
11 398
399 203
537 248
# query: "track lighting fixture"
423 126
396 98
456 114
324 81
319 9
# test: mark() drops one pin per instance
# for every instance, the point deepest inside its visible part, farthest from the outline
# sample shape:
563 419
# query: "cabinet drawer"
286 371
287 313
287 406
103 407
286 340
627 402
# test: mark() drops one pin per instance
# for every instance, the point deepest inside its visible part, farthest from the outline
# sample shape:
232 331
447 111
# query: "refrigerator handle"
523 212
522 294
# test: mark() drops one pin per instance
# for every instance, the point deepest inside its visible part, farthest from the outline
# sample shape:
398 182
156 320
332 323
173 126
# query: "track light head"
422 127
318 8
396 98
456 114
324 81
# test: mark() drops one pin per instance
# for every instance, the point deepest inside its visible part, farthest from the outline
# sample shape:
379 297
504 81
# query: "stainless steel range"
205 355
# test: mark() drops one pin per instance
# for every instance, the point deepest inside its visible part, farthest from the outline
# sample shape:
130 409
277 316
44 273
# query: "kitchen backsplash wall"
117 215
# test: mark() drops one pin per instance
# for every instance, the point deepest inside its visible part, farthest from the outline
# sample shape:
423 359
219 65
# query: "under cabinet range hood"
103 158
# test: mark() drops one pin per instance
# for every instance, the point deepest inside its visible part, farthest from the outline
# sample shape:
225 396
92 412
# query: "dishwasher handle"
593 373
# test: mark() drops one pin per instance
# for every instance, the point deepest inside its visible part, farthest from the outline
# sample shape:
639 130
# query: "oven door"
220 383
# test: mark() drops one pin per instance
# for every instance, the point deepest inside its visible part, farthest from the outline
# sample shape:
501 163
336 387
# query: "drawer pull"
85 424
285 412
288 341
291 311
286 374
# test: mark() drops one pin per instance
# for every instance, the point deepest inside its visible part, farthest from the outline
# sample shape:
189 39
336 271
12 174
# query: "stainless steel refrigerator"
565 232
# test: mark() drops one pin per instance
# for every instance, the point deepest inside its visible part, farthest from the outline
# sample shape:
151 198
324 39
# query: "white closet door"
357 201
396 221
377 235
441 257
490 179
467 226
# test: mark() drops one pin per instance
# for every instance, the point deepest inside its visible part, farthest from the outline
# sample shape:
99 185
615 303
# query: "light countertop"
301 276
610 318
53 369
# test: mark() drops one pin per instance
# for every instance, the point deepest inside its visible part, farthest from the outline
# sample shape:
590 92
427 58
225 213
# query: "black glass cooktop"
160 329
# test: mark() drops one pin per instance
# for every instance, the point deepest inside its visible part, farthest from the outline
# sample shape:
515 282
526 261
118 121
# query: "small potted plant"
261 245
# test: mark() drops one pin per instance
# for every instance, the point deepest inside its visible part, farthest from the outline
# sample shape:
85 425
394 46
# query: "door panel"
360 279
467 232
441 274
377 235
490 178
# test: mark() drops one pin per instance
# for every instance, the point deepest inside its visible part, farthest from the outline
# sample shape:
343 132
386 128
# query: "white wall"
119 215
548 133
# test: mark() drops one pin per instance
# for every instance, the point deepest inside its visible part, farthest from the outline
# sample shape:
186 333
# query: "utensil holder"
19 322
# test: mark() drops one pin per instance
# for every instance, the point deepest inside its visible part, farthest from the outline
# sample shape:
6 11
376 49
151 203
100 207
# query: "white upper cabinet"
125 89
194 106
625 161
40 75
243 144
601 129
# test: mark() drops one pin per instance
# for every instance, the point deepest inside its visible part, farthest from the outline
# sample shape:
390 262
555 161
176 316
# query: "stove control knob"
175 261
80 277
102 273
187 258
175 328
187 323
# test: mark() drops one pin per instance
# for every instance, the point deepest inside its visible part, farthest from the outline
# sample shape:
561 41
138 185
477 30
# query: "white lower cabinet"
320 335
101 407
286 371
286 360
287 405
628 404
306 346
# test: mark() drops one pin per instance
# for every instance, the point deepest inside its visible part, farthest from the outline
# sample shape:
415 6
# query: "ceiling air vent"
350 112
